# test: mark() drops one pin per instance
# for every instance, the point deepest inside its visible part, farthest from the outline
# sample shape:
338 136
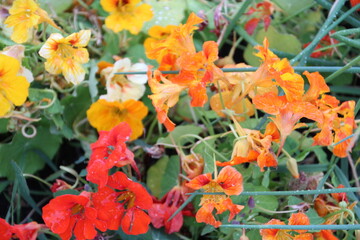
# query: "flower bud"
292 166
193 165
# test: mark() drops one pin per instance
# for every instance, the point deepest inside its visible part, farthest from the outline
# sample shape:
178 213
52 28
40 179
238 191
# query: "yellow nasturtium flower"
104 115
126 15
13 88
25 15
66 55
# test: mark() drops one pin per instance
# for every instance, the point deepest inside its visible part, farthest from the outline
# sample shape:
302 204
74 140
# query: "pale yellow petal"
73 71
54 64
79 39
81 55
49 48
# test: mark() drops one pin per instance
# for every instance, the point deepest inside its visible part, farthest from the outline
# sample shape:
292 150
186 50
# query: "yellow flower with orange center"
126 15
25 15
13 88
66 55
104 115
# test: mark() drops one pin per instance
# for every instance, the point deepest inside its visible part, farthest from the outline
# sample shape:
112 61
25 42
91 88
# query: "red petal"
251 25
135 222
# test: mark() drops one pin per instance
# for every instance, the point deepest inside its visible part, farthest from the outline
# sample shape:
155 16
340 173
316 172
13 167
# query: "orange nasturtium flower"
125 208
287 114
197 69
126 15
25 15
324 235
104 115
68 213
66 55
253 146
338 124
324 205
165 95
228 182
156 34
13 88
285 234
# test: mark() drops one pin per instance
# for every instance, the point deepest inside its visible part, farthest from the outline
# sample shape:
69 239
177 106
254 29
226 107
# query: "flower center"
77 209
127 198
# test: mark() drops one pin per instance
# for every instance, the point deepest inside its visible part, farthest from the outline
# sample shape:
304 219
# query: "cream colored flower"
124 87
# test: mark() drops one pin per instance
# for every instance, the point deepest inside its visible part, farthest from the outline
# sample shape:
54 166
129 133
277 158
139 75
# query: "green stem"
343 69
233 21
323 31
353 21
37 178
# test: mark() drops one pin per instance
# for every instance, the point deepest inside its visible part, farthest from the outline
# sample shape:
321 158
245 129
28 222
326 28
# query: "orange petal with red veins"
325 234
230 180
269 102
340 196
199 181
317 87
270 234
198 95
204 214
252 156
299 219
210 49
304 236
266 159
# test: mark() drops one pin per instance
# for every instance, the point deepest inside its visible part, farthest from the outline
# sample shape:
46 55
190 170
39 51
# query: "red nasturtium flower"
325 41
27 231
68 214
282 234
263 10
228 182
162 210
108 151
124 208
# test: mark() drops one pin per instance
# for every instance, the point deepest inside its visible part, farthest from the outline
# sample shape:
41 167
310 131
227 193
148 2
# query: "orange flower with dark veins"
124 208
228 182
165 95
254 146
68 214
339 123
285 234
108 151
287 114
